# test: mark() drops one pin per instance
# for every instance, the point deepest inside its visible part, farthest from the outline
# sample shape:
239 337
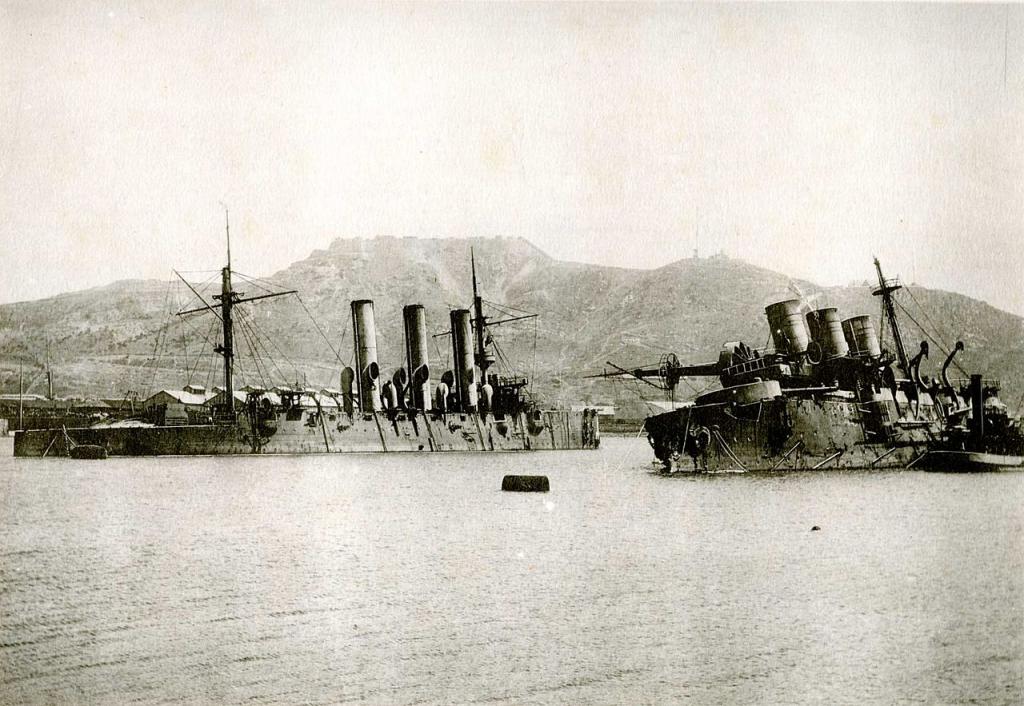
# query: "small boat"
949 461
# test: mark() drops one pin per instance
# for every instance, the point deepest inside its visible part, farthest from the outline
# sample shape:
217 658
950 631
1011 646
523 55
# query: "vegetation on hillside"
124 336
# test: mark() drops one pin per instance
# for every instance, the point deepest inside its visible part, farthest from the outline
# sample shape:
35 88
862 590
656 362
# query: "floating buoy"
88 451
815 528
525 484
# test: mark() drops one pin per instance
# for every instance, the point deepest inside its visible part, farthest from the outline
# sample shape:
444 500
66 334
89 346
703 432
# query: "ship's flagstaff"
227 231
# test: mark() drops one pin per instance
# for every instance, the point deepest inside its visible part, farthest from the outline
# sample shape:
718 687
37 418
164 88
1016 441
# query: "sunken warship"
468 408
828 396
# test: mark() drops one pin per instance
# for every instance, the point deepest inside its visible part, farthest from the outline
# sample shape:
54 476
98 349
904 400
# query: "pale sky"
803 138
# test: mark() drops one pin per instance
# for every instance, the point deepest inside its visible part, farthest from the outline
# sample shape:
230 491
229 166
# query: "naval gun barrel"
669 373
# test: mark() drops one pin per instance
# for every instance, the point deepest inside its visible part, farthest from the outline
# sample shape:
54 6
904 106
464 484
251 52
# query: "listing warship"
827 396
466 410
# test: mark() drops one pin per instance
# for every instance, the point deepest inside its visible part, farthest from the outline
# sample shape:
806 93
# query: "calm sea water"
414 579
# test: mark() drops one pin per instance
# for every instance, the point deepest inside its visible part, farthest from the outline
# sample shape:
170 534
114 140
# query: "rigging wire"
320 331
254 282
509 306
206 341
239 373
205 285
156 342
245 328
503 359
881 326
258 281
184 338
263 336
931 338
208 381
633 386
260 336
924 311
440 355
200 357
533 369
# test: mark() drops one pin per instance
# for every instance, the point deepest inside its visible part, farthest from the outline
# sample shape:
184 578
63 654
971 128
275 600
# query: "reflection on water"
409 579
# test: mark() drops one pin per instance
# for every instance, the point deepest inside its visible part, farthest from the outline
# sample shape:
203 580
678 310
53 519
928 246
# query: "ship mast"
227 349
478 311
885 290
228 299
484 360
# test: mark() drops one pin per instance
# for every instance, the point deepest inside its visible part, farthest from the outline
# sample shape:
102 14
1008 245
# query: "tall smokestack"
861 338
789 332
827 332
367 371
462 348
416 355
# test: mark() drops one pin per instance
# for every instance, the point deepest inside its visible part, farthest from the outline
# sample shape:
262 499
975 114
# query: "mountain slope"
107 340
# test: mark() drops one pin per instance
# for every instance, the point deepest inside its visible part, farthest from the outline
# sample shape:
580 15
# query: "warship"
827 396
468 409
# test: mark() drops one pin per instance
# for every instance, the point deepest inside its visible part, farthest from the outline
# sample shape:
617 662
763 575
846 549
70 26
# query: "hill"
107 340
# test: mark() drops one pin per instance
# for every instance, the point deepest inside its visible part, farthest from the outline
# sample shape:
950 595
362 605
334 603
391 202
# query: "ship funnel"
462 349
789 333
416 355
367 371
860 336
827 332
348 376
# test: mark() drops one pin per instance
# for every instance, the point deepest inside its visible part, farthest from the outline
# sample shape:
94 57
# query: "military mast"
227 349
228 299
482 360
885 290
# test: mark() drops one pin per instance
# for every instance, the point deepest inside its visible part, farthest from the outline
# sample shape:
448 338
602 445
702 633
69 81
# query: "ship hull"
320 432
782 434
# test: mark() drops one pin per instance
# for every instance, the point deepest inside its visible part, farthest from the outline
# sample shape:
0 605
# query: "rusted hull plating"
782 434
315 432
